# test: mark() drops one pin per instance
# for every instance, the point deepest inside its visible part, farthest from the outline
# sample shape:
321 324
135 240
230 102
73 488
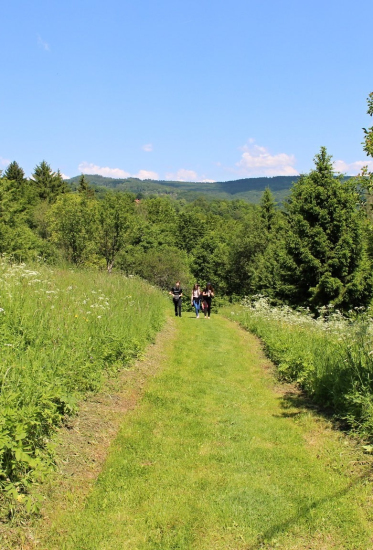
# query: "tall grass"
330 357
61 333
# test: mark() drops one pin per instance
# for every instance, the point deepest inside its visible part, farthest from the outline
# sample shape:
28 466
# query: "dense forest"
316 249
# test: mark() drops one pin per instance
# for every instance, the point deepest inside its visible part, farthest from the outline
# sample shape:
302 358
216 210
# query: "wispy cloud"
187 175
258 161
90 168
148 147
42 44
352 168
4 162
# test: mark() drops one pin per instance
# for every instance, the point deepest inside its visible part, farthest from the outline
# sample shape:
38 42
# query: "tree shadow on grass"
294 403
296 399
265 539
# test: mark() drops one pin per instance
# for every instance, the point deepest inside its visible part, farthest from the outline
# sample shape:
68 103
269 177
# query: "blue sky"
196 90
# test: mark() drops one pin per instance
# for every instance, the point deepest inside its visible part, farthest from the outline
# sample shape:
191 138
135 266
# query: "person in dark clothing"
207 296
177 295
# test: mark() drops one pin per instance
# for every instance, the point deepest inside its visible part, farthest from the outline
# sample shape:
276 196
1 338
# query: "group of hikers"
200 299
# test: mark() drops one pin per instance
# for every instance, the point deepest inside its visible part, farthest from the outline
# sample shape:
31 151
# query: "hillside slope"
249 189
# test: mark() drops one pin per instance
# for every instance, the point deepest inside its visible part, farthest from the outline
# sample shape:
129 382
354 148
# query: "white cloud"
182 175
146 175
4 162
42 43
148 147
352 168
90 168
187 175
64 177
258 161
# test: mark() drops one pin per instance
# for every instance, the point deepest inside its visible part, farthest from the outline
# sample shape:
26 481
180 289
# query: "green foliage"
15 173
330 357
61 333
85 188
368 140
73 222
48 184
268 211
327 260
16 236
248 189
162 266
114 220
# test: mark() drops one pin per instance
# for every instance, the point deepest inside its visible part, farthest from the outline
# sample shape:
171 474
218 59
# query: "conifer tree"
15 173
48 184
326 250
85 188
268 209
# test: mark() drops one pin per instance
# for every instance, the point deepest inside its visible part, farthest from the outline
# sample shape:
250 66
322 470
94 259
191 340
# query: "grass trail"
213 457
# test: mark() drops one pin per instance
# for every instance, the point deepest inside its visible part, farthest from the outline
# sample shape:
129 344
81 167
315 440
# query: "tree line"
314 251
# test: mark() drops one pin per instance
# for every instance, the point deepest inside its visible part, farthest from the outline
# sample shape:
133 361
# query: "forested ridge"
248 189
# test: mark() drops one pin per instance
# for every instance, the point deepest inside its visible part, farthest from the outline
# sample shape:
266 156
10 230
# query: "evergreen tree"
48 184
85 188
15 173
59 185
268 211
326 251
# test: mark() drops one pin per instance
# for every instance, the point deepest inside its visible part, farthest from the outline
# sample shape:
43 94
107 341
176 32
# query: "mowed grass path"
212 459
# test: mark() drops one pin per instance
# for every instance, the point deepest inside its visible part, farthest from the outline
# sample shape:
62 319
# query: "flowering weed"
330 356
61 332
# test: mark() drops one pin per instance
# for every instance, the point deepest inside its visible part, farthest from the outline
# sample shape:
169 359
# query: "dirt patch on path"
83 444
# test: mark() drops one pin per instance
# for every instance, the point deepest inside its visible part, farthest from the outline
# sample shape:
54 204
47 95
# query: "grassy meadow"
330 357
61 333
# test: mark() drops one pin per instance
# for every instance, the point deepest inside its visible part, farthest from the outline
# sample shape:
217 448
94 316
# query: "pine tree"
326 250
268 211
15 173
49 185
85 188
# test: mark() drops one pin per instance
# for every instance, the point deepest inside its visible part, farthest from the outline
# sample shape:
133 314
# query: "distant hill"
248 189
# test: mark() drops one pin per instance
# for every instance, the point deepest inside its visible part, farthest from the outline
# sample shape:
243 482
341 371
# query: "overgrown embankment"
61 333
331 357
